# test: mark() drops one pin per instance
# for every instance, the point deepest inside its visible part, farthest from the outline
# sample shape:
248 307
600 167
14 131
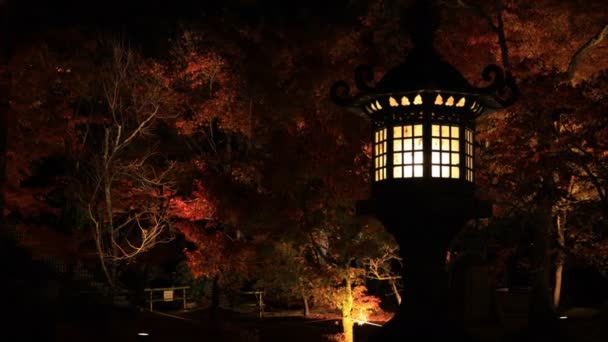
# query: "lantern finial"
421 21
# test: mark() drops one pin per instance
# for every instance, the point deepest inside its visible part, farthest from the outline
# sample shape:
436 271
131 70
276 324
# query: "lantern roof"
424 70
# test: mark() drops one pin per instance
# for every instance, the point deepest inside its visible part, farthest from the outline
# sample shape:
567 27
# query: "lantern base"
427 312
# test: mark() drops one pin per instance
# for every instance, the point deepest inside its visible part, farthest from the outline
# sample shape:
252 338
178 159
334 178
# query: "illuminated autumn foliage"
217 136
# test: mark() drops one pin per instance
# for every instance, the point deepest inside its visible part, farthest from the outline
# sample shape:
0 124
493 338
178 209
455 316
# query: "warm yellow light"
455 172
378 105
405 101
407 131
418 144
397 132
418 100
439 100
454 132
445 131
461 103
445 144
450 101
435 130
398 145
417 130
361 320
398 172
435 143
468 135
392 102
374 106
380 154
455 159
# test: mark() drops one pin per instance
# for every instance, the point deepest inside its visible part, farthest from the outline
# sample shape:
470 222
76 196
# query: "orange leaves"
216 255
206 260
367 307
550 32
199 207
209 87
205 68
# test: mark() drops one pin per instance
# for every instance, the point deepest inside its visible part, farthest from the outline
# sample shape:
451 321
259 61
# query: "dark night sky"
38 14
153 21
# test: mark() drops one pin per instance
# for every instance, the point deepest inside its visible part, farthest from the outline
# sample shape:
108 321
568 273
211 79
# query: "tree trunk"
541 304
396 291
542 321
541 312
109 222
215 297
306 307
101 255
559 262
347 310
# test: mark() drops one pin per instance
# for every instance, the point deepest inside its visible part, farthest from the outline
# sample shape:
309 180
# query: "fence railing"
166 294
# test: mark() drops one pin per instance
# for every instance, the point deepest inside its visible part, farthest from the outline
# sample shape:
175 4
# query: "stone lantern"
422 115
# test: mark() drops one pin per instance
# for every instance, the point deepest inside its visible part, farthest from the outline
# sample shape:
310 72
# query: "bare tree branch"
381 268
128 198
582 51
497 27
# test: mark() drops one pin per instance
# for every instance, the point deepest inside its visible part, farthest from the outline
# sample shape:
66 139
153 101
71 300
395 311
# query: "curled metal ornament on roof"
425 71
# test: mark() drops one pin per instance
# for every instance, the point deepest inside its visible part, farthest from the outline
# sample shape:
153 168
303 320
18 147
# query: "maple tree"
527 164
213 126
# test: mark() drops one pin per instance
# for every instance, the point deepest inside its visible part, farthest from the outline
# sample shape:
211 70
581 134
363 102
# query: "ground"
230 326
198 325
